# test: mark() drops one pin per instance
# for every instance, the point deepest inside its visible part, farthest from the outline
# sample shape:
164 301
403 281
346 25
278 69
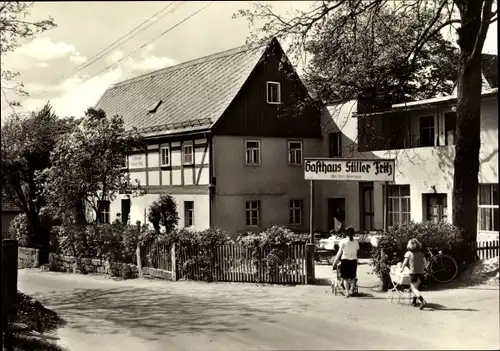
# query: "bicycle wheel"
443 268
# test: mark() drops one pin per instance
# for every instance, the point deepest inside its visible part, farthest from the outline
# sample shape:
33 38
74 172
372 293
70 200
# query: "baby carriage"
400 284
338 283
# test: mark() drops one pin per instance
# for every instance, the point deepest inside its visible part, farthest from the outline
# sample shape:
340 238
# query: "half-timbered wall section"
169 164
179 167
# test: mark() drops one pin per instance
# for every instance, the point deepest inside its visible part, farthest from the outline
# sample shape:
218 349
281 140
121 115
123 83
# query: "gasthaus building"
223 139
419 137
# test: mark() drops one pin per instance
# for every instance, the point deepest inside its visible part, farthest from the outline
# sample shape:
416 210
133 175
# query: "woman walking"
416 262
348 256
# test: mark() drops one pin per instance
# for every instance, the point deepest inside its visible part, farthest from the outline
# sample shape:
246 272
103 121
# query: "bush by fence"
442 235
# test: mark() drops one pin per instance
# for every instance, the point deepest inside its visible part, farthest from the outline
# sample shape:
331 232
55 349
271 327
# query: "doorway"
125 210
366 206
336 209
435 207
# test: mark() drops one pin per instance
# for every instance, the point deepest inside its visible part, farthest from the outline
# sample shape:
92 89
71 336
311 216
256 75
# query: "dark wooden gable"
249 114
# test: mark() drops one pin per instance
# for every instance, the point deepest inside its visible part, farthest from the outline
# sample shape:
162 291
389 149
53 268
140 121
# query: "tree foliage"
26 146
367 58
344 19
15 28
163 212
86 166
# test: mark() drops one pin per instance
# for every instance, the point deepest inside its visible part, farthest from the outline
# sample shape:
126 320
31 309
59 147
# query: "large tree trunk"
468 142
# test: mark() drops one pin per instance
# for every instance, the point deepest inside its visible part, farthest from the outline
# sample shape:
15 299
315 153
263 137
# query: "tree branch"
483 29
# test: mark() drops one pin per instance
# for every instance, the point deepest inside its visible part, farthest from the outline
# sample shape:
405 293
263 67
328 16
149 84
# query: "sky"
51 65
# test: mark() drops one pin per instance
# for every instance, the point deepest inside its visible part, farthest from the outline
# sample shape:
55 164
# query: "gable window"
295 207
398 204
252 212
450 119
165 156
273 90
427 131
252 152
295 152
188 213
488 207
335 144
103 211
187 153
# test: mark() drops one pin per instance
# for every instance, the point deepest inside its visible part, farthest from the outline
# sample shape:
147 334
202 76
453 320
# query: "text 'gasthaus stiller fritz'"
372 170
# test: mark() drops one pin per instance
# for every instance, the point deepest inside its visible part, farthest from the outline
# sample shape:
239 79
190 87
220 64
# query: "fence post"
174 265
310 276
139 260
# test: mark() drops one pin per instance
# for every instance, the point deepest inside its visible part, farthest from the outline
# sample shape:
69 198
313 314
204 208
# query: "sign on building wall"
372 170
137 161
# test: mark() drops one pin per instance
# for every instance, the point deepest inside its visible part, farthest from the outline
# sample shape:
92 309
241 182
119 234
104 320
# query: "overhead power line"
119 41
149 42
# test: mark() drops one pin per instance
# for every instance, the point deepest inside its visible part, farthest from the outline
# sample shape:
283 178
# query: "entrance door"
366 206
336 209
436 207
125 210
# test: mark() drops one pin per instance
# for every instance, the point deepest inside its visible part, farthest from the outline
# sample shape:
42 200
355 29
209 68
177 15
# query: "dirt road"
104 314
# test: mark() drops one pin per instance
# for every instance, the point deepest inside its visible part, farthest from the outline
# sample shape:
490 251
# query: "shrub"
440 235
31 313
163 212
19 230
268 248
130 239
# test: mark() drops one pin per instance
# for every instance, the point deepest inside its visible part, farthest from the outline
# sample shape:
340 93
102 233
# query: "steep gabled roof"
186 97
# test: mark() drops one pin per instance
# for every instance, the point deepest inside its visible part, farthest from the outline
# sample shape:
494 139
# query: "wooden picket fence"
487 249
235 263
227 263
157 255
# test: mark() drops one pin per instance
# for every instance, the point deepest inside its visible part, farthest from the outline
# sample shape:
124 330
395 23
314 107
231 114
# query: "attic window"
156 107
273 90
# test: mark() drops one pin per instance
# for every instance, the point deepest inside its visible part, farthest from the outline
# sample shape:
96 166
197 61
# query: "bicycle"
441 267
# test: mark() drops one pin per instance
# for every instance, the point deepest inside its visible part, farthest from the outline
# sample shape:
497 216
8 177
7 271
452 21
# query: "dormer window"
273 93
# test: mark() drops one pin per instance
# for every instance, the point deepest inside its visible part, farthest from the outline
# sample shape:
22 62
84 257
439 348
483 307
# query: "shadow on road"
153 313
438 307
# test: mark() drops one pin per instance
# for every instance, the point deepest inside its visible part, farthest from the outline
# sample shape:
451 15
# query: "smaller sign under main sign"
371 170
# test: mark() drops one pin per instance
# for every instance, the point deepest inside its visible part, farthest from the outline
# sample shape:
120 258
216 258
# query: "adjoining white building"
420 137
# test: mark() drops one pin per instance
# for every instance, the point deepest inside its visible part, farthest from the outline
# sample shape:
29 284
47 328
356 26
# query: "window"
273 93
188 213
252 152
398 204
187 153
165 156
103 211
296 211
295 152
253 213
488 207
335 144
426 131
450 119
